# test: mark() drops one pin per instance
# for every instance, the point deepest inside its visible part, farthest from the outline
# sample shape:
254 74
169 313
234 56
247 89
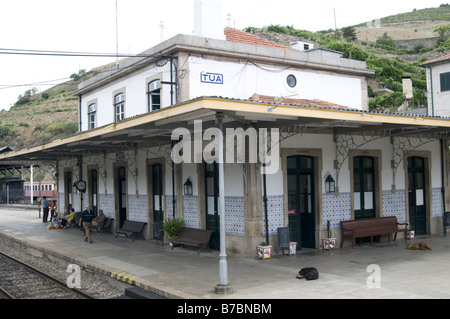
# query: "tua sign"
213 78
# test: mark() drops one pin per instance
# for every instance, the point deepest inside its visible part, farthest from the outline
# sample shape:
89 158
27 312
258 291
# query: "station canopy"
153 129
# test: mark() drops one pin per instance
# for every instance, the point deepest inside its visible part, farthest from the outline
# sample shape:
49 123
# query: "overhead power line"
72 54
42 83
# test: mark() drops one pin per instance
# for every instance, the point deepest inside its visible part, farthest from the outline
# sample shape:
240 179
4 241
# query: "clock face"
80 185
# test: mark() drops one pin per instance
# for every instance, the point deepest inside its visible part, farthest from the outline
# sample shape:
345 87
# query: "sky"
90 26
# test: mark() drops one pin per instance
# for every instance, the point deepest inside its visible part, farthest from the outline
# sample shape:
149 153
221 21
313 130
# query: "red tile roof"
234 35
299 102
444 58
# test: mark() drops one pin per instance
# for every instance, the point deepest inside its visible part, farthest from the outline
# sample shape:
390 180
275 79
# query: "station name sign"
212 78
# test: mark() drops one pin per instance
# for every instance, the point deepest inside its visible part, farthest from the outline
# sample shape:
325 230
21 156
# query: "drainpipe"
443 171
171 81
79 112
80 167
432 93
173 187
265 204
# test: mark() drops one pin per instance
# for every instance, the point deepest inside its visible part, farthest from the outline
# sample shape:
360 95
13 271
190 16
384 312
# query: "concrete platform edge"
166 292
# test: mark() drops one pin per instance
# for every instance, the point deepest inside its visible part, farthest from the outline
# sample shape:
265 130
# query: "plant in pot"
264 251
328 243
172 226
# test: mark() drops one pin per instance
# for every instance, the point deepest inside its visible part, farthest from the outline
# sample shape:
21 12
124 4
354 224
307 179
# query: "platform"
182 273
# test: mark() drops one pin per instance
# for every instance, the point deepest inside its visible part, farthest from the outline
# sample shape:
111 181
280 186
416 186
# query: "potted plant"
328 243
172 226
264 251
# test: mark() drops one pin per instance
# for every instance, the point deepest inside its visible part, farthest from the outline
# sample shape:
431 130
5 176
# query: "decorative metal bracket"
346 144
404 145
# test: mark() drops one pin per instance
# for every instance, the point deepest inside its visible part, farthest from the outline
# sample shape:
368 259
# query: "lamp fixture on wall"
188 187
330 184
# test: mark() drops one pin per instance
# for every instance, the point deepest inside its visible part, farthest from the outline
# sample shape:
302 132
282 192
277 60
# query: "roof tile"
300 102
234 35
444 58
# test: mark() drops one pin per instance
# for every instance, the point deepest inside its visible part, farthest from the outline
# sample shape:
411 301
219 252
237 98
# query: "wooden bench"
446 222
192 237
132 227
106 225
371 227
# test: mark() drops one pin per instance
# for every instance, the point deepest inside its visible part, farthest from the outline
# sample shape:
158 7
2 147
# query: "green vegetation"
389 71
44 133
172 226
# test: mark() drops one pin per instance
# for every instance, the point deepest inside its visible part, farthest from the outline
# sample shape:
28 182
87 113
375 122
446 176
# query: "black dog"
308 274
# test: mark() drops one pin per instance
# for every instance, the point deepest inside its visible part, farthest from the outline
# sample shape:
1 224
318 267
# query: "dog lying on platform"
308 273
423 245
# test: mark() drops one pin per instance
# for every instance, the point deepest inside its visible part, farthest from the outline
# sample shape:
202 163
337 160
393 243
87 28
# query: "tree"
78 76
349 33
386 40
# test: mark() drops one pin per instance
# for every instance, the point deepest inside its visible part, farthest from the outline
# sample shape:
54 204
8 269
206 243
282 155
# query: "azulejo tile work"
190 211
107 204
275 213
137 208
234 208
437 203
394 204
335 209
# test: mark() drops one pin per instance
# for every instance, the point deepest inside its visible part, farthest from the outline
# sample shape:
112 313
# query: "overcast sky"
90 26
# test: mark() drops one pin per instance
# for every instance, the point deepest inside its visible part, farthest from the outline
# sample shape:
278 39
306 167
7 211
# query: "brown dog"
423 245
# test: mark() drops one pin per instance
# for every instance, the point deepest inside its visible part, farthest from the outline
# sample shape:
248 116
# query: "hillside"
37 118
395 47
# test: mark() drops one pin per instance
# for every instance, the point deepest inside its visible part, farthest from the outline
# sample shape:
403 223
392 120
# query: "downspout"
173 187
171 87
443 157
265 204
80 167
79 113
432 93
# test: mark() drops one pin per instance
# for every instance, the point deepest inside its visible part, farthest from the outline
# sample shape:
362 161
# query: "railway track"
19 280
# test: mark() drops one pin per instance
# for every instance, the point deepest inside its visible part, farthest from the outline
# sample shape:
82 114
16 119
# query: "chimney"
408 87
208 19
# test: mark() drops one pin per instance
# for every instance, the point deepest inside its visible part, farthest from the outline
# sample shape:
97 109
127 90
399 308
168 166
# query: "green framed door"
122 192
301 206
93 194
416 195
157 194
212 203
364 187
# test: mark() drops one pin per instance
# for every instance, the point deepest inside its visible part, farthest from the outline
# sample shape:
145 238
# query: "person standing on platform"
86 217
45 208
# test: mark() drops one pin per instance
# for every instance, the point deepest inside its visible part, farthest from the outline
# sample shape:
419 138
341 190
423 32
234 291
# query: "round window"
291 81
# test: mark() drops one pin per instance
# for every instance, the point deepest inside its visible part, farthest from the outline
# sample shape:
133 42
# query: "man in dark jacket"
86 217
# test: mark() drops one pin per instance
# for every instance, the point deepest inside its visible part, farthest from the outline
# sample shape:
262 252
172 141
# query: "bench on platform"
446 222
192 237
132 227
370 227
106 225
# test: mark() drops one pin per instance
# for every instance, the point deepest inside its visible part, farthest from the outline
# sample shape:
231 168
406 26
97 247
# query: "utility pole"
117 39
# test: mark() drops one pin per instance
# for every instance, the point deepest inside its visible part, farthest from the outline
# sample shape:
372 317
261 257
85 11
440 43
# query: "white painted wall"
135 89
438 101
242 80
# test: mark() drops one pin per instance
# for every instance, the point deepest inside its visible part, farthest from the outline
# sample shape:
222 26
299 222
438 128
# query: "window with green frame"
445 82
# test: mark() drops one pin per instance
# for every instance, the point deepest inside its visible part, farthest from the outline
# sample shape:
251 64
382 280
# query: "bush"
4 131
349 50
386 40
47 133
392 100
173 226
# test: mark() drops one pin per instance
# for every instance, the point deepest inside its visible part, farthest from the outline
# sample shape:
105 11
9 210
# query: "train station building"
300 147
